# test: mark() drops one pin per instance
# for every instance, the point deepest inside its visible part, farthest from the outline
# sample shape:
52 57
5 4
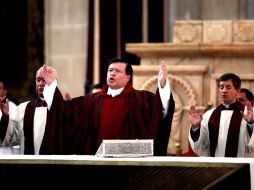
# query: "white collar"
41 98
227 105
114 92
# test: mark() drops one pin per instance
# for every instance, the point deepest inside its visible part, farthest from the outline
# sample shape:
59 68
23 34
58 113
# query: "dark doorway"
13 42
22 45
131 30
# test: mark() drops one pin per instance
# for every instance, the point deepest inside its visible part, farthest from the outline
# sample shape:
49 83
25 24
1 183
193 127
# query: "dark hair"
233 77
97 85
248 93
128 69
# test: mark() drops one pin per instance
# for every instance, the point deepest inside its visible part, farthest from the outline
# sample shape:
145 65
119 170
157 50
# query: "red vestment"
54 138
133 114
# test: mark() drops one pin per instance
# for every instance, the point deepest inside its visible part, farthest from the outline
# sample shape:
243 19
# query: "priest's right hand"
195 117
49 74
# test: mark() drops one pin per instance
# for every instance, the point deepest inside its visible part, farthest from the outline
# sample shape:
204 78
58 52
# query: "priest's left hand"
162 76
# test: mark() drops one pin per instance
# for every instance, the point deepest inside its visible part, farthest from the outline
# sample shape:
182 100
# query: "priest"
32 128
223 131
118 111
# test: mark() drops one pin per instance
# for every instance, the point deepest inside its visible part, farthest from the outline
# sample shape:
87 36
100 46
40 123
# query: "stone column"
66 38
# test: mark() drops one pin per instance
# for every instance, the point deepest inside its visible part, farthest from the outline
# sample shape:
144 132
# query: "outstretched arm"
162 76
49 74
164 87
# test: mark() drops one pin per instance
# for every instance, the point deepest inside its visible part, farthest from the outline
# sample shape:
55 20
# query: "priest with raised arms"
118 111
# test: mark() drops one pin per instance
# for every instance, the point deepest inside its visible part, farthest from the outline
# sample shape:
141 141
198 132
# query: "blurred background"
79 37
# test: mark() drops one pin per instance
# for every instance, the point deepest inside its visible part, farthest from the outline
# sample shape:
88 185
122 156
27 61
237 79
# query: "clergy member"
118 111
33 128
222 131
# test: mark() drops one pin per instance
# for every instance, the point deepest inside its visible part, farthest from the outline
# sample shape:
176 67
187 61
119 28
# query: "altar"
92 172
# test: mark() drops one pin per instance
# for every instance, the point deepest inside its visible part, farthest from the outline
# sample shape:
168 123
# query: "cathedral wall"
200 52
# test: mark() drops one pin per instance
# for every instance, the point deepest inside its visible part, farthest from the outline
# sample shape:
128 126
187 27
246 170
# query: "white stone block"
125 148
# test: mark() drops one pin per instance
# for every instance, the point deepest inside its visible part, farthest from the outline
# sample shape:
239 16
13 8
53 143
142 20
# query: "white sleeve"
251 125
165 96
202 145
12 137
48 93
251 141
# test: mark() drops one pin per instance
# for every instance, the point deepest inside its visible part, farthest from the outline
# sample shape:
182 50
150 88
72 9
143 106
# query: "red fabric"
190 153
112 119
115 118
55 137
233 131
131 115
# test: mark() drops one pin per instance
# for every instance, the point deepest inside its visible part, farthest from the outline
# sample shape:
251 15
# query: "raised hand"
248 117
48 73
67 96
4 107
195 117
162 76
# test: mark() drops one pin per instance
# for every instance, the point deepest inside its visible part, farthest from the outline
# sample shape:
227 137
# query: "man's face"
227 91
116 76
40 84
2 90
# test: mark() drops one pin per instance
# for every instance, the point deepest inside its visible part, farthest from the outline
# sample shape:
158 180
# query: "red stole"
233 131
53 139
116 117
29 127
